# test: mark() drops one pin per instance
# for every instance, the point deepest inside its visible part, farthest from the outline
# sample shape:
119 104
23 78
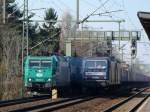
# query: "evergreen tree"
49 29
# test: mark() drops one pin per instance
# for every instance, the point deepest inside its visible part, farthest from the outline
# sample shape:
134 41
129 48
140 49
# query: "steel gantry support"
78 8
25 39
26 26
25 35
69 39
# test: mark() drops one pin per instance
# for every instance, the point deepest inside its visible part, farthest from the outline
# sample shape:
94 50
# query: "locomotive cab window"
90 64
46 64
34 63
101 64
96 66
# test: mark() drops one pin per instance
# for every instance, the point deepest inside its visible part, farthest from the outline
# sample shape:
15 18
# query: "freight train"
42 73
45 73
104 72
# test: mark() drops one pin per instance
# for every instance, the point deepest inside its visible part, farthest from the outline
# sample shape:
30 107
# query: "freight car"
76 74
104 72
44 73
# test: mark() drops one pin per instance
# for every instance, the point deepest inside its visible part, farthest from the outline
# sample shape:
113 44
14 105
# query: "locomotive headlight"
39 71
49 79
30 79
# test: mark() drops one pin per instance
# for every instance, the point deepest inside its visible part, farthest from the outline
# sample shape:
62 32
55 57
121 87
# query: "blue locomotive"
95 71
100 71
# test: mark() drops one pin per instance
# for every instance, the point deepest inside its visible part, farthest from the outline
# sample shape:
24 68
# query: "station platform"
145 106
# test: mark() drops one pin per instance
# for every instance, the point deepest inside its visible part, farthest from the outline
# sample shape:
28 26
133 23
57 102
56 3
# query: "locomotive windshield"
90 64
34 63
45 63
97 65
39 63
101 64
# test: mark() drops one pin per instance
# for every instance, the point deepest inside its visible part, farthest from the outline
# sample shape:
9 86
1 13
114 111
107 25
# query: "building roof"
145 21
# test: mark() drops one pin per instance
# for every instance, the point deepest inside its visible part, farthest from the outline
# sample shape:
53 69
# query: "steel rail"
23 100
56 105
139 104
114 107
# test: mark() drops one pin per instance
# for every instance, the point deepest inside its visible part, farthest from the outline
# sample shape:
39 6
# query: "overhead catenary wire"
94 11
108 12
93 5
113 15
109 15
45 40
15 10
37 9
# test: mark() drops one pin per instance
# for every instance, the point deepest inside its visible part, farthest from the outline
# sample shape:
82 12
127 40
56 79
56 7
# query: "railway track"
132 103
40 103
51 106
45 104
23 100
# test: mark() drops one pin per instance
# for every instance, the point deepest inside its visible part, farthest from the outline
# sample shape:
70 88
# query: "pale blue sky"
130 7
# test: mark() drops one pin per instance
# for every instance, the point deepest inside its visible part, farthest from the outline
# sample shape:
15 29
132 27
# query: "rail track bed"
23 100
132 103
90 103
99 104
94 105
19 103
46 104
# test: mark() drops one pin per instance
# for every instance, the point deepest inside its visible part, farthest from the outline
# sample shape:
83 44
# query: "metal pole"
27 27
131 69
23 37
119 36
77 23
122 54
82 35
22 61
4 11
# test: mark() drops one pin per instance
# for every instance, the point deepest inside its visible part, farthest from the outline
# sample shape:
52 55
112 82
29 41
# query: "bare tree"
11 44
66 28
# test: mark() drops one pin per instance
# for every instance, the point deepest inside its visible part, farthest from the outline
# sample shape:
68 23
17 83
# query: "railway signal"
134 43
133 48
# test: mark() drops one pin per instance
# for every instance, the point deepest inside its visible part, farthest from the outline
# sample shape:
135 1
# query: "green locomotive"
43 73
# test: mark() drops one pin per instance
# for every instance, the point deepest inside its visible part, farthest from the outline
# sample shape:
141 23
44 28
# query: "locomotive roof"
97 58
101 58
38 57
54 57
